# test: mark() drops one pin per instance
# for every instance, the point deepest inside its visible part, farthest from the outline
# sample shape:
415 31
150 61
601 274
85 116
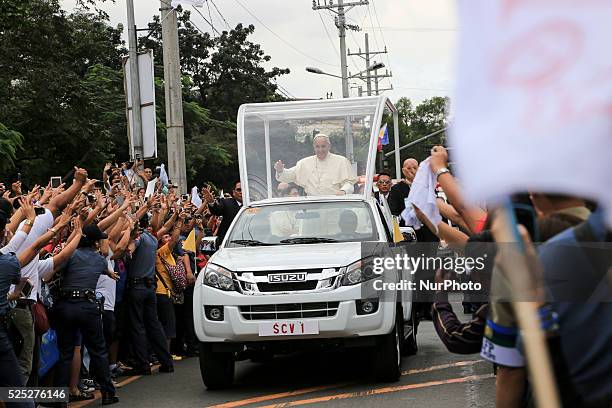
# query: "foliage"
10 142
416 122
61 87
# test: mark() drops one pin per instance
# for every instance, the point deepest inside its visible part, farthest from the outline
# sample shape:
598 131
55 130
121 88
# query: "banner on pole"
533 105
147 104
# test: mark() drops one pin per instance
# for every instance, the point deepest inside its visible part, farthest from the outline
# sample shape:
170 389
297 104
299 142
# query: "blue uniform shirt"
10 272
143 259
83 270
584 324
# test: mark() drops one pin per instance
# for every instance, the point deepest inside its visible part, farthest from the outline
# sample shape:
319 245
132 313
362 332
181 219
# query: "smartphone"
39 210
56 182
185 197
26 289
526 216
99 185
18 176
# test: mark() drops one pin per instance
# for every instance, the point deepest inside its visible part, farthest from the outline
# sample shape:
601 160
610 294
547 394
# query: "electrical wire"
281 38
209 13
381 34
328 36
286 93
205 19
197 28
229 27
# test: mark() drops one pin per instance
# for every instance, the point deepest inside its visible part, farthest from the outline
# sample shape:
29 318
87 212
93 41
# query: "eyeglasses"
238 190
384 181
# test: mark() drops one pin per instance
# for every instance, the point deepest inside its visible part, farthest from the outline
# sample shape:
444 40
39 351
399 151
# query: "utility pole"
134 82
174 97
341 9
367 58
368 75
342 34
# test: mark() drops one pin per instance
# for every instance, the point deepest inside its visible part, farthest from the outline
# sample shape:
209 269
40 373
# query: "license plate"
289 328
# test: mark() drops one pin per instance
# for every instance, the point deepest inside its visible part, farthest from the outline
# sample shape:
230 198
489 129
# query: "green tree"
10 142
45 84
416 122
61 87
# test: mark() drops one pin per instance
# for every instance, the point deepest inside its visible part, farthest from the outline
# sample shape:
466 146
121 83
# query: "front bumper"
346 323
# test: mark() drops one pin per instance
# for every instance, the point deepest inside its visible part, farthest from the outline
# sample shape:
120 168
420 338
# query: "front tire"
387 364
216 368
410 346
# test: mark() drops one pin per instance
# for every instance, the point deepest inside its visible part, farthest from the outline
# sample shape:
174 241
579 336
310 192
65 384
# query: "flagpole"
536 350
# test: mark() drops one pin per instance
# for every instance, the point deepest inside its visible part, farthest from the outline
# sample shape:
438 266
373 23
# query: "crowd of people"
103 270
568 280
109 267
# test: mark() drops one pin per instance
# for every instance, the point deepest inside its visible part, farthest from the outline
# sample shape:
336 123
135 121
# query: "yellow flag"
190 243
397 234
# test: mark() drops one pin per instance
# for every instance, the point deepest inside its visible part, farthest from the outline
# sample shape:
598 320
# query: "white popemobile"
290 272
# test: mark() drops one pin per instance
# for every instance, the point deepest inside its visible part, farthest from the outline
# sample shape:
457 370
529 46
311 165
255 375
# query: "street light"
319 71
314 70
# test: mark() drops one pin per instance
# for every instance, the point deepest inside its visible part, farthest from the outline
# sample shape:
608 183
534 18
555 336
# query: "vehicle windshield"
309 148
303 223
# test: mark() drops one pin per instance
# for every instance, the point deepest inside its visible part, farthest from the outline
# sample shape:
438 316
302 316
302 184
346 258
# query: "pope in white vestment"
324 173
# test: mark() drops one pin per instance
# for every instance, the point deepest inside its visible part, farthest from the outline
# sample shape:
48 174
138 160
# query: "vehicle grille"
287 286
289 311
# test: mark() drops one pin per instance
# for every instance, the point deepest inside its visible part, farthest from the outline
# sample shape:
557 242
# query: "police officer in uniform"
142 304
77 310
10 274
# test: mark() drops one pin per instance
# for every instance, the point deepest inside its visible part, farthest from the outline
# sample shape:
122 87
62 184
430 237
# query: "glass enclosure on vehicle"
304 222
320 147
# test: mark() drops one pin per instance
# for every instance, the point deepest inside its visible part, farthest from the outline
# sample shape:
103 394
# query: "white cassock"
321 177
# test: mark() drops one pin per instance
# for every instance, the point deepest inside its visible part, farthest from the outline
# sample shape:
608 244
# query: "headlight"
358 272
218 277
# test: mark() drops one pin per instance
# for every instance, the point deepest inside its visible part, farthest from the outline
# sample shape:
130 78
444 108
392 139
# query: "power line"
381 33
281 38
197 28
209 23
284 90
417 29
229 27
372 24
424 89
328 36
209 13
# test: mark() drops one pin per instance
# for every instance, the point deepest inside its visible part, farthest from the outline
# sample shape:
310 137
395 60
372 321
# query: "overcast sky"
420 37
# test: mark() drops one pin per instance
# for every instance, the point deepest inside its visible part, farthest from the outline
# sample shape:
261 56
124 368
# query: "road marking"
301 391
443 366
98 395
379 391
279 395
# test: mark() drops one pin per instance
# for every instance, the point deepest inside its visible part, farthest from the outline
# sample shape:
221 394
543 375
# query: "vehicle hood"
280 257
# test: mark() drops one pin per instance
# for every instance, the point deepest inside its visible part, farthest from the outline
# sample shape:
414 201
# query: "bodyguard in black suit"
225 207
400 191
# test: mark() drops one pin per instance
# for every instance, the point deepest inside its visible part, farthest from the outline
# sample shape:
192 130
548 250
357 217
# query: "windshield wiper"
248 242
307 240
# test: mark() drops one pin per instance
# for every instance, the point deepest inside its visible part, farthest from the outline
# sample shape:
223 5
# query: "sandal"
81 396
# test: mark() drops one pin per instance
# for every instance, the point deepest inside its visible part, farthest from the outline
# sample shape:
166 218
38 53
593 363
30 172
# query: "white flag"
197 3
163 176
195 198
150 188
533 107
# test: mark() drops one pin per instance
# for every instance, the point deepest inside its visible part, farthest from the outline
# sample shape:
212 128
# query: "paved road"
433 378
